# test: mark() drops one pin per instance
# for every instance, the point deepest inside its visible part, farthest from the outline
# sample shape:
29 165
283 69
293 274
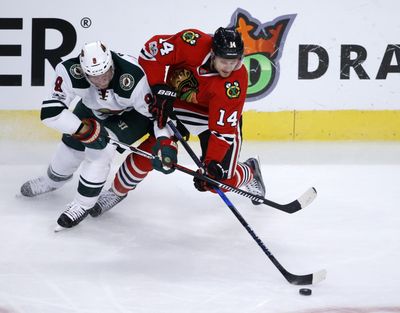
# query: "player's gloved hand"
199 184
213 169
166 151
92 134
162 104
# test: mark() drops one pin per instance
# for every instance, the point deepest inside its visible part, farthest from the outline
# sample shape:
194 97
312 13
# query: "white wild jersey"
126 91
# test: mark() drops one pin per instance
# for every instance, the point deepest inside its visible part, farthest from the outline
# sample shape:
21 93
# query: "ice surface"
170 249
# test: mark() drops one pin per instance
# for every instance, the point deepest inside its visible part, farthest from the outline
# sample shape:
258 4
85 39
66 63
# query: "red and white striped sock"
128 176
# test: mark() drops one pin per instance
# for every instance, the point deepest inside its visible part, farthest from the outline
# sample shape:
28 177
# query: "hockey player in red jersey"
201 79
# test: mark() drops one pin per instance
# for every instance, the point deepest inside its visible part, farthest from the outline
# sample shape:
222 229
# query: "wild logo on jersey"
232 89
126 81
185 85
76 71
263 45
190 37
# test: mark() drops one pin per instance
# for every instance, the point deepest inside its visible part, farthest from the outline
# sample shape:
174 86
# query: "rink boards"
260 126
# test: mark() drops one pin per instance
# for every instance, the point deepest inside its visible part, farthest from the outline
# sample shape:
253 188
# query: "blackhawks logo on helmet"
232 89
190 37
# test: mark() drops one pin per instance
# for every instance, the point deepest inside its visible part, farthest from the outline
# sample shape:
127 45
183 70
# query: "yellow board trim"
24 125
322 125
260 126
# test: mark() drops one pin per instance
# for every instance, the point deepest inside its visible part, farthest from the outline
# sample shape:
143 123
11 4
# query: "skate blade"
59 228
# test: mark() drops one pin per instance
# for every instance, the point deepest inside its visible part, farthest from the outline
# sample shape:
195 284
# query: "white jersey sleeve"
55 111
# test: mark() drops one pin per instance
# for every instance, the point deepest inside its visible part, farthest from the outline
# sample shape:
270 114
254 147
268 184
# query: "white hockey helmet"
95 58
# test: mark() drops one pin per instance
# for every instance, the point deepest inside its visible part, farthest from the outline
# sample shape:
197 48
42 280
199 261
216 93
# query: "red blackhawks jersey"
205 99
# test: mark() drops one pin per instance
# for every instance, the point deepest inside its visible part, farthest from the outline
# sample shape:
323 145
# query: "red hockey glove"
213 170
162 105
167 152
92 134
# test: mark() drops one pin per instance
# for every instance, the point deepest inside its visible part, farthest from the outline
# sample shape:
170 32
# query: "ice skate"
256 185
72 216
107 200
36 186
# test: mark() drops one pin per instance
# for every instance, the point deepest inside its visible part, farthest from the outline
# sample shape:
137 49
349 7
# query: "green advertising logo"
263 45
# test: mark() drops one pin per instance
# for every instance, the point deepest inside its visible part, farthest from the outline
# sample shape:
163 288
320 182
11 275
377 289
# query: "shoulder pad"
191 36
127 74
75 73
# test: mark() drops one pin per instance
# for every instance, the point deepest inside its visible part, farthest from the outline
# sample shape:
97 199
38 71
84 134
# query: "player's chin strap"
291 278
291 207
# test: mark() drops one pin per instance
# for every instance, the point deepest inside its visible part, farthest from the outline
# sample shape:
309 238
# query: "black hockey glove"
166 151
213 170
94 135
162 104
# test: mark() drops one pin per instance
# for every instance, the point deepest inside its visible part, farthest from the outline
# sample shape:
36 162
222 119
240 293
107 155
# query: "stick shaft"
291 278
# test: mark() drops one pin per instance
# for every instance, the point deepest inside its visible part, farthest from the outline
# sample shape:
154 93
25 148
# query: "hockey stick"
291 278
304 200
292 207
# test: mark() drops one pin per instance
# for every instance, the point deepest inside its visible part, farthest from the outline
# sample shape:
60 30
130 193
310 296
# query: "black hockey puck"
305 291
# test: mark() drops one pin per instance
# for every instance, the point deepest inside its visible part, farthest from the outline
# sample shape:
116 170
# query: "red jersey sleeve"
225 112
162 51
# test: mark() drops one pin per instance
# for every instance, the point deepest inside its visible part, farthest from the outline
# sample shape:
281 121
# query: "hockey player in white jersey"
114 97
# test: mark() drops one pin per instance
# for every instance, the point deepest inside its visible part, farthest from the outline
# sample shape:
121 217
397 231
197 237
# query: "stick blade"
319 276
300 203
308 279
307 197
